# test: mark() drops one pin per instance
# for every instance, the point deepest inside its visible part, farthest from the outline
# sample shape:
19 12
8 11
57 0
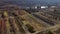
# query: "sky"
30 2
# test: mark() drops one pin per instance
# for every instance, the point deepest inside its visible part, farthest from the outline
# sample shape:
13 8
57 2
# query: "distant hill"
30 2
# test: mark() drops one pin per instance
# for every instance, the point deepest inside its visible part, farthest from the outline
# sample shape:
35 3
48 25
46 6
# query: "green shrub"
30 28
